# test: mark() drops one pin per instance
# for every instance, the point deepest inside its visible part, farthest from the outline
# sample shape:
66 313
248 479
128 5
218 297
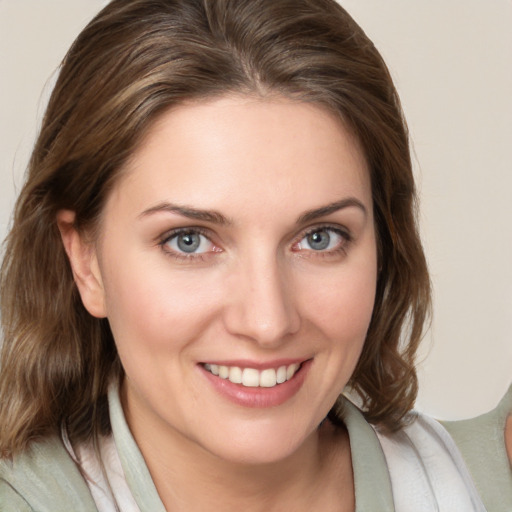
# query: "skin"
256 290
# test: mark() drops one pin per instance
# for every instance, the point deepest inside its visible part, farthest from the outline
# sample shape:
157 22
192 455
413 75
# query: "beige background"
452 62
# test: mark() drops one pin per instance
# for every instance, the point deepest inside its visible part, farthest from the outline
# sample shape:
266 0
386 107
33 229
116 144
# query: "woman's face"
237 267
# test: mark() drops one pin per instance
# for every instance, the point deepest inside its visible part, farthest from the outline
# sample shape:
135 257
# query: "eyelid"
339 230
164 239
171 233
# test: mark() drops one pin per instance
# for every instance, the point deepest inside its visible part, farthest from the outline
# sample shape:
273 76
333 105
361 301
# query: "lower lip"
259 397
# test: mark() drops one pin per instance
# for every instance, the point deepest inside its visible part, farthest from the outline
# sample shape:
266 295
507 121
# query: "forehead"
230 149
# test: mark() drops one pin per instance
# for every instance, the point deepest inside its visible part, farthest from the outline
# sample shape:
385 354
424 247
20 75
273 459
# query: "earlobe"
84 264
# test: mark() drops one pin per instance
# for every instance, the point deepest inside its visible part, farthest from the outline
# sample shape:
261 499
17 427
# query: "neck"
189 478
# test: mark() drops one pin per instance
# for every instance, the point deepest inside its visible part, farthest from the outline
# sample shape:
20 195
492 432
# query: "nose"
262 306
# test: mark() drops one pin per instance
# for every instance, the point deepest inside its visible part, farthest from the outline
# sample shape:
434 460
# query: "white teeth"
268 378
290 371
281 375
235 375
252 378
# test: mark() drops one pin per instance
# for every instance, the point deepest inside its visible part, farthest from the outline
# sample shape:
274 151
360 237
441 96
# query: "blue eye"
319 240
323 240
189 242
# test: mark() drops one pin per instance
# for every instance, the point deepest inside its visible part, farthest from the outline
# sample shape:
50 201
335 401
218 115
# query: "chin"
260 442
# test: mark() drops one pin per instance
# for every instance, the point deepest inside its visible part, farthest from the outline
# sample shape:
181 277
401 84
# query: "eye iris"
189 242
319 240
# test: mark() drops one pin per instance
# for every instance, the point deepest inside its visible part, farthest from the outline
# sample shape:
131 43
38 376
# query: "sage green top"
481 441
46 479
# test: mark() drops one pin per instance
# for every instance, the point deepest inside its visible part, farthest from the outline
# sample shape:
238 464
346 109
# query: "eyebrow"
187 211
323 211
216 217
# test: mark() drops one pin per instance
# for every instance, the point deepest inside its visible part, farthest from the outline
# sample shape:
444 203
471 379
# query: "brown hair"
132 62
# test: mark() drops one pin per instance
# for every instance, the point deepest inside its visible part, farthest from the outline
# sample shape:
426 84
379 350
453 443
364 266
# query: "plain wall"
452 64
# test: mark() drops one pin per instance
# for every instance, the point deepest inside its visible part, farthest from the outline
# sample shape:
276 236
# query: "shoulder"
424 464
481 441
415 468
43 478
11 501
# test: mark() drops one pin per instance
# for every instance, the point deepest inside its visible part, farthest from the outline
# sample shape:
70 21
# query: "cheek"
338 317
342 302
148 305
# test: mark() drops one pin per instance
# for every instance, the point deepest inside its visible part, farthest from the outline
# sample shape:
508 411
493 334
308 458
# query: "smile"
253 378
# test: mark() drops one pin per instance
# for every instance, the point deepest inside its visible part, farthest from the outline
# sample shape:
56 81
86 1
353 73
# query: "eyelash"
167 237
342 248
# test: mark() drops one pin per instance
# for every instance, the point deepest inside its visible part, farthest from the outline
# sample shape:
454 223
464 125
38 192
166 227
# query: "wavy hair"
134 61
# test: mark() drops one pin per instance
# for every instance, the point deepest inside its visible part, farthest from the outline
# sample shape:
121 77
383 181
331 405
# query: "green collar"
371 478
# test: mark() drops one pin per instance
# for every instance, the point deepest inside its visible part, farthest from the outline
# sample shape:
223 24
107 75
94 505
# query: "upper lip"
257 365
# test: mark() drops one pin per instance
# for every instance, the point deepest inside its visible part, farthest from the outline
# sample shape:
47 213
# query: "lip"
257 365
258 397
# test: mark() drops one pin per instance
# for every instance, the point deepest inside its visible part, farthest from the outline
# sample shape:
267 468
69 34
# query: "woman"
178 332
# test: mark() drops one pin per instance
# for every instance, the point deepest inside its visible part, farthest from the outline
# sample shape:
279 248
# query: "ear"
84 264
